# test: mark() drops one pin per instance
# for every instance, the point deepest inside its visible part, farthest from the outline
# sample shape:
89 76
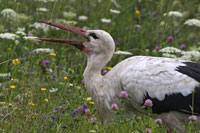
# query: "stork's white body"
168 82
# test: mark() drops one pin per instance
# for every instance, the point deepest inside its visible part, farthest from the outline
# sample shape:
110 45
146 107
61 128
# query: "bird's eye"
93 35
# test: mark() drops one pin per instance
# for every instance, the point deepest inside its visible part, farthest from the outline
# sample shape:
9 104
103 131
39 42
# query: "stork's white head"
100 42
98 46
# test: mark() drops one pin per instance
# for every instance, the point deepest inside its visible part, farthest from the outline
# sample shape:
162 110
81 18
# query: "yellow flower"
46 100
137 12
43 89
52 54
88 99
12 87
109 68
16 61
31 103
11 79
65 77
91 103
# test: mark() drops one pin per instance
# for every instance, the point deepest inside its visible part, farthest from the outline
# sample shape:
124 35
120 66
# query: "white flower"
21 33
10 36
4 74
191 55
9 13
53 90
193 22
69 15
173 13
169 55
47 50
104 20
115 11
122 52
115 3
170 50
42 26
83 18
45 1
42 9
30 37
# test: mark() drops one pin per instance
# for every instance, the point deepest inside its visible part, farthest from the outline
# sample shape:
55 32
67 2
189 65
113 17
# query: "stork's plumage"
169 83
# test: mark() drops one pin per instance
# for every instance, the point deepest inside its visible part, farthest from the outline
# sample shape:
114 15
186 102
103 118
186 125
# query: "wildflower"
192 117
148 103
105 20
40 26
64 126
46 100
169 55
69 15
65 77
31 103
182 46
9 13
30 37
10 36
156 48
114 106
170 50
43 89
193 22
5 74
158 121
148 130
123 94
12 87
52 54
42 9
109 68
93 120
170 39
191 55
82 81
82 18
53 90
173 13
137 12
115 11
88 99
91 103
87 112
47 50
104 72
45 62
122 52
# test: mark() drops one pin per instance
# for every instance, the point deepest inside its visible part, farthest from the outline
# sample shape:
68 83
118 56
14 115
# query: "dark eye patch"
93 35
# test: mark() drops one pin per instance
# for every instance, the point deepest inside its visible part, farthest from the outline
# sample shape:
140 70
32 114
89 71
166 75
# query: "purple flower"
93 120
56 109
82 81
18 131
156 48
64 126
148 130
170 39
104 72
114 106
158 121
87 112
123 94
45 62
148 103
182 46
30 34
192 117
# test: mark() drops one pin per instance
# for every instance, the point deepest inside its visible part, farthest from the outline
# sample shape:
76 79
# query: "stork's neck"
94 65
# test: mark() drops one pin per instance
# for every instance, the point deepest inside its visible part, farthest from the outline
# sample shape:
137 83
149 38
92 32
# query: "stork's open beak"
77 43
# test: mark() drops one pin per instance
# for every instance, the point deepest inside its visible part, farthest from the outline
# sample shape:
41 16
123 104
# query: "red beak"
77 43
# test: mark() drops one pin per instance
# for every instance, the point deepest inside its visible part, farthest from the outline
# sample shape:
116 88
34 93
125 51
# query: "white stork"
169 83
